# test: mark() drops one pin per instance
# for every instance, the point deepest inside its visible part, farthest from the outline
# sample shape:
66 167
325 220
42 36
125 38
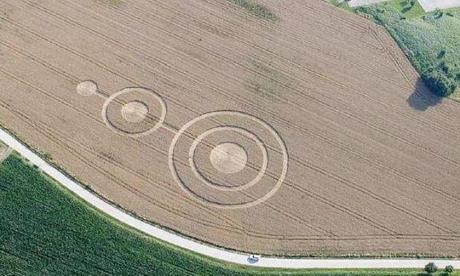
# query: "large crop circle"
228 159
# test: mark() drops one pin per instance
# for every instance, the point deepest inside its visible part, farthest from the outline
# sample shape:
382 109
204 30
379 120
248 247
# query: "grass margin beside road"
46 229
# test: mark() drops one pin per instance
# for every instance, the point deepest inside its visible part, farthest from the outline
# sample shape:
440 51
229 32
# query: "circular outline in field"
129 90
173 169
241 131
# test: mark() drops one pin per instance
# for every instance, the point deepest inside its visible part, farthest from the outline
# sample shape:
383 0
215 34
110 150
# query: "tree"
439 83
431 268
449 269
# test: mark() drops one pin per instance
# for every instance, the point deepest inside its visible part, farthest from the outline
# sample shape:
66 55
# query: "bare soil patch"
366 172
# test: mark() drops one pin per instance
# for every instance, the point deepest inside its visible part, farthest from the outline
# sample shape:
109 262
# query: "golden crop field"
294 129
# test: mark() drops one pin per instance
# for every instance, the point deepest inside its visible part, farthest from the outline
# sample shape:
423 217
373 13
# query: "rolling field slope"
306 132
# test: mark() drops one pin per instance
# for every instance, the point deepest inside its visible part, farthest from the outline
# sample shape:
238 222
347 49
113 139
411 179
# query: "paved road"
203 249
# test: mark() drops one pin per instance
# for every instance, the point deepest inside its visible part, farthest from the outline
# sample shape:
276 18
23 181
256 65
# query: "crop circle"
87 88
214 143
134 112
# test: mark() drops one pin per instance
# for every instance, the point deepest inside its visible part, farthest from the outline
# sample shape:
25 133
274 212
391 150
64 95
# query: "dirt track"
373 159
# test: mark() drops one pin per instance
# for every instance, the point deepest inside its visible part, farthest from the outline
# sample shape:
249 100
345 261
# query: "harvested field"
338 147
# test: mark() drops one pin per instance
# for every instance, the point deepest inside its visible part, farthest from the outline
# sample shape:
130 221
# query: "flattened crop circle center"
134 112
87 88
228 158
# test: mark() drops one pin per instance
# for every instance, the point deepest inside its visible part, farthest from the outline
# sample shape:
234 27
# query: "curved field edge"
46 229
49 159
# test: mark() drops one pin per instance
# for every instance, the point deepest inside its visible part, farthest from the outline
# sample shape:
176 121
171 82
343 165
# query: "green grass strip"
255 9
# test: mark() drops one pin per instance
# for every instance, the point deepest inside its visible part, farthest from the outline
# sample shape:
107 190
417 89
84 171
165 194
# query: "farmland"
307 135
46 230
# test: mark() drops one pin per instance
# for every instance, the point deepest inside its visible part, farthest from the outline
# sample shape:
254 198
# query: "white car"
252 259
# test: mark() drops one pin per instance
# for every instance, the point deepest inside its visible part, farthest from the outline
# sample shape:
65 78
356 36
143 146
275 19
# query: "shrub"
431 268
438 14
409 5
444 67
441 53
449 269
439 83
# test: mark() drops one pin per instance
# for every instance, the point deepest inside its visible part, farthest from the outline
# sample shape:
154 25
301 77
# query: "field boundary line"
200 248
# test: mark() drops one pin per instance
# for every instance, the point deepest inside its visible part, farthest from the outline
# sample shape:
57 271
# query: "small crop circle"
87 88
134 112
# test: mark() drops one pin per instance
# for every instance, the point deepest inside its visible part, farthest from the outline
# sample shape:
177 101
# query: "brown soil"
374 158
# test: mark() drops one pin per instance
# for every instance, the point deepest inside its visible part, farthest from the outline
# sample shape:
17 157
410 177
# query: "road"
220 254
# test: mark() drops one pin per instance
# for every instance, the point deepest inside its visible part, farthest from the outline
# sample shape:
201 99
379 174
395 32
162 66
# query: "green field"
430 40
46 230
255 9
341 4
404 7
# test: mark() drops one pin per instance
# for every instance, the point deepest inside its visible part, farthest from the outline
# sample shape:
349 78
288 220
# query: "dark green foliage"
431 268
449 269
444 67
439 83
442 53
409 5
438 13
256 9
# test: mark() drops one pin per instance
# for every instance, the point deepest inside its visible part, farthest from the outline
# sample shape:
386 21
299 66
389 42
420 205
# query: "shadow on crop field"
422 98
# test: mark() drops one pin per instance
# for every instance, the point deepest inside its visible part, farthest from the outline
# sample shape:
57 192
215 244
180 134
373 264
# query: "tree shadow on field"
422 98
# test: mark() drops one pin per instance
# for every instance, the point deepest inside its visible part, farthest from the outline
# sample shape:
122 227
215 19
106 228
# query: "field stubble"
368 173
